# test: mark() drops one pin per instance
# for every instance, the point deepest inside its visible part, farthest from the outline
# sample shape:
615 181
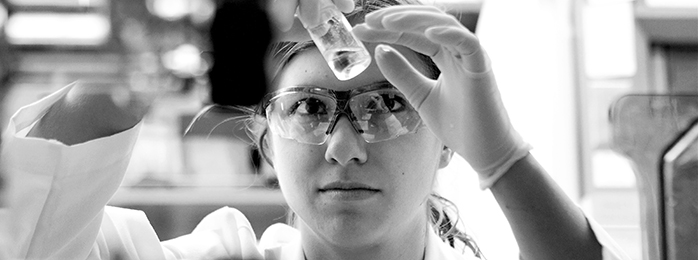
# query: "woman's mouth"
348 191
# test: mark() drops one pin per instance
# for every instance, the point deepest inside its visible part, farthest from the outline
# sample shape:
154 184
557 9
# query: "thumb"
281 14
398 71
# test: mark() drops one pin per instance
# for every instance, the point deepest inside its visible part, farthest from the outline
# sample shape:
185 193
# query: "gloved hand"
463 107
285 15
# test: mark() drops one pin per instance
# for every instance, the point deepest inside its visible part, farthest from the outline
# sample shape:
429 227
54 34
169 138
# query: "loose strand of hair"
446 227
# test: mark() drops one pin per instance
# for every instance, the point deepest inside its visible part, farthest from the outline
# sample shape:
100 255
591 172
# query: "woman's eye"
309 106
386 103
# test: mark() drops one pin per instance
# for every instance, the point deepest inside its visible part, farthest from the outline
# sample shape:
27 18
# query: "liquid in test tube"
344 53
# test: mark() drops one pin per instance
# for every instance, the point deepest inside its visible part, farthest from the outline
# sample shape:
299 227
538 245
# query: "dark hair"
280 54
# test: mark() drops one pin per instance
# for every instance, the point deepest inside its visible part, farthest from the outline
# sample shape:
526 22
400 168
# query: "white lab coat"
58 193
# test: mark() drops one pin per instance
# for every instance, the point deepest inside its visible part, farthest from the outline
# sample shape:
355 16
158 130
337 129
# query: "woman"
356 160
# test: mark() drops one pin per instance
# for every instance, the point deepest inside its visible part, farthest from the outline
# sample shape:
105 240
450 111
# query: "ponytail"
446 227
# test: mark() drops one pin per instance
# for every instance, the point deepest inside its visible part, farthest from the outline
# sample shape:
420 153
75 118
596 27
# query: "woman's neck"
403 241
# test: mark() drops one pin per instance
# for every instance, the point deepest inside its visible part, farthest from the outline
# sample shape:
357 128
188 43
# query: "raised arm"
464 109
545 222
63 175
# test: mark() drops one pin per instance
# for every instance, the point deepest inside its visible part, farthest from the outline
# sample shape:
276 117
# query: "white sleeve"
224 234
126 234
57 193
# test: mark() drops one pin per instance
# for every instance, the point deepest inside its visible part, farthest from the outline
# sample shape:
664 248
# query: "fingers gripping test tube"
344 53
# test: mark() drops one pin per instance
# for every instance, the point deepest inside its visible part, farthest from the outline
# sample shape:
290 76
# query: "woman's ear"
266 150
445 158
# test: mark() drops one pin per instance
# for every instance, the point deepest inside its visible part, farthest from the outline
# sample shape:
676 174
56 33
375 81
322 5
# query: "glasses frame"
341 99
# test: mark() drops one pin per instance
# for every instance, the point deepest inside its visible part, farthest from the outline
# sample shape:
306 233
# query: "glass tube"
344 53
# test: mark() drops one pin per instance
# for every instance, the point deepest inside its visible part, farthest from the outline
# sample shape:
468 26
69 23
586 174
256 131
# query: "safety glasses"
308 114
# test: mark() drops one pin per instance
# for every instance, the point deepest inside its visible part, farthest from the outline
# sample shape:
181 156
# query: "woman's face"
398 174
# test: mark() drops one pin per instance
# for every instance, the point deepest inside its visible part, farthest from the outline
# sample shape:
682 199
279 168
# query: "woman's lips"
348 191
343 185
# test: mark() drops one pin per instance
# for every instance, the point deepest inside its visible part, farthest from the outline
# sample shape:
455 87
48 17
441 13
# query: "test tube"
344 53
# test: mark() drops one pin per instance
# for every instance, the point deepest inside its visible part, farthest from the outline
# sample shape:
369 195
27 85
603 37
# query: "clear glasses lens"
301 116
384 115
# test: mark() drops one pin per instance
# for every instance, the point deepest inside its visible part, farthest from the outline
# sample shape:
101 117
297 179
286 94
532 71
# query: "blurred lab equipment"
239 34
169 47
648 130
679 174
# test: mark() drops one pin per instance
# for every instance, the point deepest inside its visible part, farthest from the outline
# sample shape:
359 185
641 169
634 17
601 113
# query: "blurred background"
603 90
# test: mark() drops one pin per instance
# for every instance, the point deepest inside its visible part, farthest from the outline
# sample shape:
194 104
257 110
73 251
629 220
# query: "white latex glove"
285 14
463 107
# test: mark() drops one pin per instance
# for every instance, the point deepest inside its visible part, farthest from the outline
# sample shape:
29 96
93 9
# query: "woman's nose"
345 144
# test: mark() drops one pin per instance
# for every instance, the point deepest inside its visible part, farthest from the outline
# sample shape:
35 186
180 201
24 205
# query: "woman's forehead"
309 68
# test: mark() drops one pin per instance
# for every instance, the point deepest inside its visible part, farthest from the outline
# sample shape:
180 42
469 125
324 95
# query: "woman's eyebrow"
381 83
